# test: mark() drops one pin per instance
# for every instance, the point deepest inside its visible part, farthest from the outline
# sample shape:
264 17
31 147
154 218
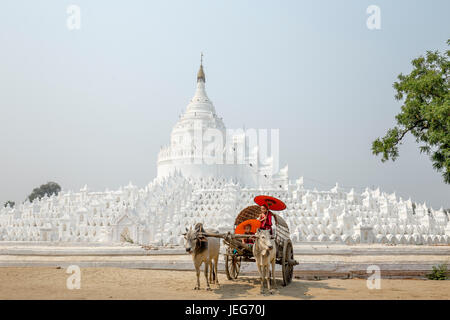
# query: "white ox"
203 250
265 253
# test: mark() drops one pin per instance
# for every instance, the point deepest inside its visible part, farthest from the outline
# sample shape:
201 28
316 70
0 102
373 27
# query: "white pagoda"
187 191
186 155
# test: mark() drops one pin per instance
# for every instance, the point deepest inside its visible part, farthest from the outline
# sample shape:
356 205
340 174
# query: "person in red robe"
266 219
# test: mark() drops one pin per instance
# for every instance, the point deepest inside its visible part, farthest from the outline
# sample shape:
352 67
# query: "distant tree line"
9 203
48 189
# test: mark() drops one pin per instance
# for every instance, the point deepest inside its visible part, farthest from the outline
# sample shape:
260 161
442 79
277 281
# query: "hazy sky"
93 106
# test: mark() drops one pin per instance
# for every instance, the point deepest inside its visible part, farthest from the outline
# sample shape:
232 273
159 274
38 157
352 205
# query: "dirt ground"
116 283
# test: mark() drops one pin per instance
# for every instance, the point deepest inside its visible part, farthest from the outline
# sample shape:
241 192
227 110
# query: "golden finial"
201 73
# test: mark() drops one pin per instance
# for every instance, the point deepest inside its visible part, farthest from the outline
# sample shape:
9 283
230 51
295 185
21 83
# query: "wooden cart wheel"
287 268
232 266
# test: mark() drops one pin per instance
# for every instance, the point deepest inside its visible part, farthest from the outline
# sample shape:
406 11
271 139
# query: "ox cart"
237 252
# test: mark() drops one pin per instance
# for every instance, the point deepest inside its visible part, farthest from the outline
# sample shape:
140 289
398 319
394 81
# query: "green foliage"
127 238
425 112
438 273
47 189
10 203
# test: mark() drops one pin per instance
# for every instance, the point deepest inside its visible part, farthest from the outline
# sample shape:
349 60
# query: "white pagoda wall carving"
158 214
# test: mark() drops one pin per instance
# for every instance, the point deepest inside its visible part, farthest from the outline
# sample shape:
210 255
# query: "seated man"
248 241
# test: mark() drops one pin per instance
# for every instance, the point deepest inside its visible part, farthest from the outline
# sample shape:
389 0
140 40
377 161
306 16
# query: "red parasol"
271 202
255 224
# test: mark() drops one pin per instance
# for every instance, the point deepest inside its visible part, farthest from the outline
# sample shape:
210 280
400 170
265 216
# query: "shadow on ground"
241 287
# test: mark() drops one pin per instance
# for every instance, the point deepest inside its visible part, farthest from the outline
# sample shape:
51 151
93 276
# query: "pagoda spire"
201 73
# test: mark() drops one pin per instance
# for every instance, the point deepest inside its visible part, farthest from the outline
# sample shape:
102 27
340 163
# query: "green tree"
425 112
47 189
10 203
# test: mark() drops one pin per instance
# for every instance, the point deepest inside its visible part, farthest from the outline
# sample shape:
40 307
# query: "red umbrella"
255 224
271 202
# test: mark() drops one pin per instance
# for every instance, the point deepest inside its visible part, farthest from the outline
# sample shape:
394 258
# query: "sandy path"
116 283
